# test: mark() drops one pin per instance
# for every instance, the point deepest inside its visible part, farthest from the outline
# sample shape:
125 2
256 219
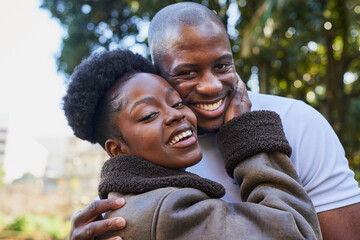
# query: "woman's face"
155 123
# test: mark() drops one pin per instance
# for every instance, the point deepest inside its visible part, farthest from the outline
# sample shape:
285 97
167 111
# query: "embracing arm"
255 143
341 223
274 206
324 172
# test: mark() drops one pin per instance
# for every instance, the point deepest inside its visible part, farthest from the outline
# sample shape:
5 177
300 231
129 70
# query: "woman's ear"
115 147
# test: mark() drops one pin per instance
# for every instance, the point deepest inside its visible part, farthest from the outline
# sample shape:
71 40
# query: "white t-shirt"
317 155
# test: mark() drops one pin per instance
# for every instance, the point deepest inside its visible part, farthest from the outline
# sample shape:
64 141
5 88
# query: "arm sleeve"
319 158
274 206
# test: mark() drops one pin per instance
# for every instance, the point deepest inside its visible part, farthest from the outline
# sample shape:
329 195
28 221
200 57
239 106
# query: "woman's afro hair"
89 83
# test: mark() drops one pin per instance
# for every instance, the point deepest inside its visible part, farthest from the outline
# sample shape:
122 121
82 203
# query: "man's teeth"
209 107
180 136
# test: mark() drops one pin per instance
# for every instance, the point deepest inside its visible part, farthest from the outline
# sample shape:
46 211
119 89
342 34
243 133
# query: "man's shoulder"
270 102
283 106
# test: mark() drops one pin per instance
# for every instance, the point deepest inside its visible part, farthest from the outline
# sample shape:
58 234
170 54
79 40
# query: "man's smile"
210 110
209 107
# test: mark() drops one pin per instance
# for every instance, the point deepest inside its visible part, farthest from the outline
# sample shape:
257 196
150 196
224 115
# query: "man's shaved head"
173 16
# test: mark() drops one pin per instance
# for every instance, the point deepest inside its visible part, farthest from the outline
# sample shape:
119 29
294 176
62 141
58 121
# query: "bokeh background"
305 49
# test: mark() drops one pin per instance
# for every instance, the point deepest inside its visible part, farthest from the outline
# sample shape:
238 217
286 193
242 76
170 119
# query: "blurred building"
3 133
73 169
51 175
21 152
73 165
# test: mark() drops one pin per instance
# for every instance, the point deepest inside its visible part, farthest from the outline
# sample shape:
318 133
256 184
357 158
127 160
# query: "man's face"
155 124
198 63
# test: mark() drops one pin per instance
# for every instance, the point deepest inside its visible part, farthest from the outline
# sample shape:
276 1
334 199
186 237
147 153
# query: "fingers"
241 88
97 207
239 82
114 238
240 103
84 225
98 228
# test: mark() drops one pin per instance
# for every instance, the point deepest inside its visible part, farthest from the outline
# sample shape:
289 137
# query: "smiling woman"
154 123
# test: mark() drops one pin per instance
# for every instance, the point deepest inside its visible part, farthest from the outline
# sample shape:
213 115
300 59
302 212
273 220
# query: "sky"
30 88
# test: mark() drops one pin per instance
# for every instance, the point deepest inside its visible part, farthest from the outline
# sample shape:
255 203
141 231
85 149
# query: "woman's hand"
240 103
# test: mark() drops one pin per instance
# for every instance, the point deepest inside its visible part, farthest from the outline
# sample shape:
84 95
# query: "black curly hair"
87 108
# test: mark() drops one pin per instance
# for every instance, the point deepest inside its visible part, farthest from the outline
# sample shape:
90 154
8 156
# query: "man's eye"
178 104
187 73
222 66
148 117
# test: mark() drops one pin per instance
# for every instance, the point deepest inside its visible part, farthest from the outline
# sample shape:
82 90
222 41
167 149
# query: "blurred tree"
308 50
305 49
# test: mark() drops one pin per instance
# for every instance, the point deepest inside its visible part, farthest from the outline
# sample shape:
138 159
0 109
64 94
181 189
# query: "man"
191 50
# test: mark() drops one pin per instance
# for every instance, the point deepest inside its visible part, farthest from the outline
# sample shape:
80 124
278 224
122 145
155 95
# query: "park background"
305 49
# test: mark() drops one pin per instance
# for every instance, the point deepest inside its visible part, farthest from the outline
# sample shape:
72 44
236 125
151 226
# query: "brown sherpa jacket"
168 204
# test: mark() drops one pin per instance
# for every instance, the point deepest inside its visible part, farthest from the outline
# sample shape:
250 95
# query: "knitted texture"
131 174
249 134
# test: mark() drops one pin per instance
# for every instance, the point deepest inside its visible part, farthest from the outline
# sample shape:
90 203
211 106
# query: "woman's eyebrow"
149 99
141 101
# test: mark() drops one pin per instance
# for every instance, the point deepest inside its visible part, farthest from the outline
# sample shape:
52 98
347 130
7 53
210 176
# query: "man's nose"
173 115
209 84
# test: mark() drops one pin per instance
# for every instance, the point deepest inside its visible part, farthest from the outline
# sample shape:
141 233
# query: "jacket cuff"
249 134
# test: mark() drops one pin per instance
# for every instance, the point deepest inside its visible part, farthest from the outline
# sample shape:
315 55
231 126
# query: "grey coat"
172 204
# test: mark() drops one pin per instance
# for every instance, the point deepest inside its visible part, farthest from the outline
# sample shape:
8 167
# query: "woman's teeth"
180 136
209 107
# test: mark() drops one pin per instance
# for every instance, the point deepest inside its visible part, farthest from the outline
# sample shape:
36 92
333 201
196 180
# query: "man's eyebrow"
141 101
225 56
182 65
189 65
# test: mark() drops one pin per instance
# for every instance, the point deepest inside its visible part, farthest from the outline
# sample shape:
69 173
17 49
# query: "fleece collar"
131 174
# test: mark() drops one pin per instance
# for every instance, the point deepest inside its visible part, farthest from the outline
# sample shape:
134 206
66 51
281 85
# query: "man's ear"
115 147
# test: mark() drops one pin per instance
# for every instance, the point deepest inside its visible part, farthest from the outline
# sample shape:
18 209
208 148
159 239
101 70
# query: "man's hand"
240 103
85 223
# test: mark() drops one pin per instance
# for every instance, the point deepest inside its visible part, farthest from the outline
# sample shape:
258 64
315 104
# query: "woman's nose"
173 115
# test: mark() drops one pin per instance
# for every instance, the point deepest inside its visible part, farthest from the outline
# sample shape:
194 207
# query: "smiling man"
191 50
201 71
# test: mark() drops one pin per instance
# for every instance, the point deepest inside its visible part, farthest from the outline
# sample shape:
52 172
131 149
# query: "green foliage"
20 223
299 49
37 226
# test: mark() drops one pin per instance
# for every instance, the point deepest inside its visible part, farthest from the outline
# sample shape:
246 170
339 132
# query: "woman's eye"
148 117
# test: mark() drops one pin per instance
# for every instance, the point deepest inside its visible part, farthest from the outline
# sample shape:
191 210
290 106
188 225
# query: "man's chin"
210 128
